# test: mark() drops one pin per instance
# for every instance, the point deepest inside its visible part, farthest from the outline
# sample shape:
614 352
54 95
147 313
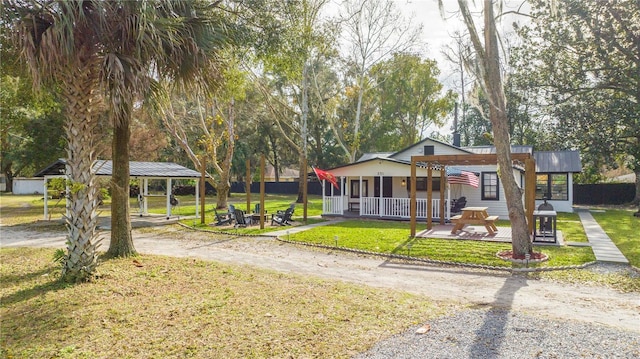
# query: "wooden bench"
491 219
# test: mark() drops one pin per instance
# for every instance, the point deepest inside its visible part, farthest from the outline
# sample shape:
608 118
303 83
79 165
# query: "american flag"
457 176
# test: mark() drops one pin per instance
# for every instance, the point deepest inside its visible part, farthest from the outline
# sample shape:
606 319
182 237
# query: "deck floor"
475 232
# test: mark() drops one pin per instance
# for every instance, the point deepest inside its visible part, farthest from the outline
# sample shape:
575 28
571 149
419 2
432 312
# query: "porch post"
443 185
381 204
324 199
360 198
448 201
429 195
412 202
343 192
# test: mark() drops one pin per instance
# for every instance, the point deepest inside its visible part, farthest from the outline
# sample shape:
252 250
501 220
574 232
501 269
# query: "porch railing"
333 205
389 207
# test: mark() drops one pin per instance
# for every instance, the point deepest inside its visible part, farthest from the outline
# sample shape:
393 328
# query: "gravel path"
511 316
496 333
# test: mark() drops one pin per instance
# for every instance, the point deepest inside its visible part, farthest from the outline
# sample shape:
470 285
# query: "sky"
437 31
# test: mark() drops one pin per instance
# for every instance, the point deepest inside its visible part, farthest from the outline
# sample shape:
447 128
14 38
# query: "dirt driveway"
466 286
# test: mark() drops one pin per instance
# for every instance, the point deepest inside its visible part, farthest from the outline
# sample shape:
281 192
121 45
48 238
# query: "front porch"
381 207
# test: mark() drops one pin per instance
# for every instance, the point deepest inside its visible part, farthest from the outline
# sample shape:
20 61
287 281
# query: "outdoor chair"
458 205
232 213
241 220
222 219
292 207
256 209
282 218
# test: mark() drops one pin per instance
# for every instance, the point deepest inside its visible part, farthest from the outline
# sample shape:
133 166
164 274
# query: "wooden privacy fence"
604 193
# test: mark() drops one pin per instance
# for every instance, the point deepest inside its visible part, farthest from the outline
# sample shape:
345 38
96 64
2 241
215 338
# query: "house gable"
417 149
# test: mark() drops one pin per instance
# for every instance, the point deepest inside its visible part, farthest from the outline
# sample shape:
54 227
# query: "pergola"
439 162
142 171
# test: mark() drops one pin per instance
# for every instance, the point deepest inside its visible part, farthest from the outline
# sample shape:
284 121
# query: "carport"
141 171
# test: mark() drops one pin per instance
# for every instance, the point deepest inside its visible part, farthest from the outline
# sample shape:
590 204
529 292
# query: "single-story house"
378 185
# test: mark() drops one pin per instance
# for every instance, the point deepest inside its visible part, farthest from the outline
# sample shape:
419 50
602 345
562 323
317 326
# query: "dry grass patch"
168 307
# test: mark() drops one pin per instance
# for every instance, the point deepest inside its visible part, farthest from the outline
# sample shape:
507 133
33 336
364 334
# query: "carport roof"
136 169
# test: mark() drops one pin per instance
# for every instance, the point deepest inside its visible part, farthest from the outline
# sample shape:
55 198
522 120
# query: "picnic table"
474 215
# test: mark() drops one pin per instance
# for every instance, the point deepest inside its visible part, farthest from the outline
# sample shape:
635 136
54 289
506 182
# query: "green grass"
393 237
571 227
624 230
178 307
273 203
29 209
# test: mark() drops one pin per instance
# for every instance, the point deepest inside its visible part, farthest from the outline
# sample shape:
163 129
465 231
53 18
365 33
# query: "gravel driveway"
509 316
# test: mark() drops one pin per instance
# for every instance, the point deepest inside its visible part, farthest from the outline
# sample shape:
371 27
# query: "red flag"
324 175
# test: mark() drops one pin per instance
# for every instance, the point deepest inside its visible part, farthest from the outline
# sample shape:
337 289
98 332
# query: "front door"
387 187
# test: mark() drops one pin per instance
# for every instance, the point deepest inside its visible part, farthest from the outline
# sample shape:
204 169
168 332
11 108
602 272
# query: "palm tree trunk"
80 261
121 240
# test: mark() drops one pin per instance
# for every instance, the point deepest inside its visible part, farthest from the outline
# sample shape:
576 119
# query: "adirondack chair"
241 220
232 212
222 219
282 218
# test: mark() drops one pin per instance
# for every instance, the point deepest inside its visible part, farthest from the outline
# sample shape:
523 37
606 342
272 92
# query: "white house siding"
474 195
28 185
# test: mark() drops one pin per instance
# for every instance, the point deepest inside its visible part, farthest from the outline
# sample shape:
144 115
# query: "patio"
476 233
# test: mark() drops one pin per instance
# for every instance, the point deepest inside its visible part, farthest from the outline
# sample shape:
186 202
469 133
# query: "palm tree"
149 41
103 55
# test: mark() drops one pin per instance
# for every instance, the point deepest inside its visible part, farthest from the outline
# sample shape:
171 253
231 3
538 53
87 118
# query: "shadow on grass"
53 285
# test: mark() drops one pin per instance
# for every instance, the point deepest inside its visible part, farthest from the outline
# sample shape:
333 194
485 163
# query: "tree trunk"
222 192
521 242
121 240
82 108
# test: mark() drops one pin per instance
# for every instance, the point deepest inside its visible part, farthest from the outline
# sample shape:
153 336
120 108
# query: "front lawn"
624 230
162 307
393 237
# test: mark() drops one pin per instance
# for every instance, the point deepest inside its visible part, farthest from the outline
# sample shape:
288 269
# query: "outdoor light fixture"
404 183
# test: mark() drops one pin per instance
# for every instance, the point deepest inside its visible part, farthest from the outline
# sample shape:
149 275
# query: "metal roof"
557 161
136 169
491 150
371 155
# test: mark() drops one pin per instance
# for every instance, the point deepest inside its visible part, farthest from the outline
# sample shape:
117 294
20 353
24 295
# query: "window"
421 183
552 186
355 188
490 186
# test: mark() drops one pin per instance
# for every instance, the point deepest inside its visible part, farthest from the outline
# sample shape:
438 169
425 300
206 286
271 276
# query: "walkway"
603 247
292 230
